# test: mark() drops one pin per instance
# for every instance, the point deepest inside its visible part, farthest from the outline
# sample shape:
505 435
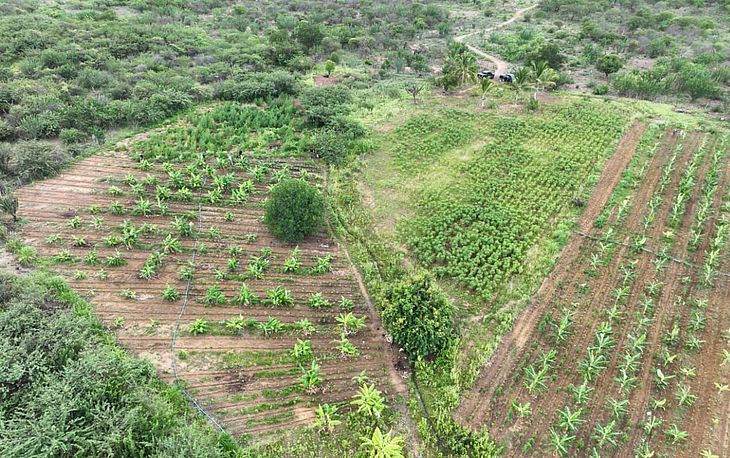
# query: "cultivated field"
165 237
625 348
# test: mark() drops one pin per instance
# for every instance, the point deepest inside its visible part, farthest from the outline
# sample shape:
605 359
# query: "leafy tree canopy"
294 210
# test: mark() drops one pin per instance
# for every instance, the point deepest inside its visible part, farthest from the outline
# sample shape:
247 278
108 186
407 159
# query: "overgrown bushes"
66 391
418 316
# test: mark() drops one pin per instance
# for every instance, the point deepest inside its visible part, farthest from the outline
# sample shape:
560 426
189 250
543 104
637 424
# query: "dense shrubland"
677 49
66 390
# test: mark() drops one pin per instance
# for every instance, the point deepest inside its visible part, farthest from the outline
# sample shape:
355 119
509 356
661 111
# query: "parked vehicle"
485 74
507 78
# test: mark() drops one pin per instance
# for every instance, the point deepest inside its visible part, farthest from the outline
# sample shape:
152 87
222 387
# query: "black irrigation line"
186 298
684 262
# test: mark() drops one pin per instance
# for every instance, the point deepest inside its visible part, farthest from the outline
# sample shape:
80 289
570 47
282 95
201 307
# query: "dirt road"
500 65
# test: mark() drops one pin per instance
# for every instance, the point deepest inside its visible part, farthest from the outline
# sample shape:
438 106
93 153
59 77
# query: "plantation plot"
167 241
623 351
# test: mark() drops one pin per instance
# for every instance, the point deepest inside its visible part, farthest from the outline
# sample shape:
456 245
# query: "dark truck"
485 74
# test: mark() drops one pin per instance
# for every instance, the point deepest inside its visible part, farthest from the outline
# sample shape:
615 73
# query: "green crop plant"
171 244
170 293
75 222
302 350
293 263
214 296
232 264
238 324
142 207
270 326
569 420
606 434
280 297
676 435
304 326
228 216
102 274
325 420
186 273
322 265
199 326
245 296
350 323
63 257
27 255
317 301
311 378
54 239
522 410
347 349
560 442
369 402
346 304
128 294
92 258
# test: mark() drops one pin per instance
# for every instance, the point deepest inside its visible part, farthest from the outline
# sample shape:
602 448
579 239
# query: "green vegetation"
294 210
66 387
418 316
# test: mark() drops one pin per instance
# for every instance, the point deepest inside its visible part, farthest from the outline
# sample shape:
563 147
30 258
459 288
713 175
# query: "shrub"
35 161
323 104
294 210
256 86
418 316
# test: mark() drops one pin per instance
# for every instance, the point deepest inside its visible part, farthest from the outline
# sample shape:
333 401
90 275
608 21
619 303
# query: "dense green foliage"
478 230
65 390
418 316
294 210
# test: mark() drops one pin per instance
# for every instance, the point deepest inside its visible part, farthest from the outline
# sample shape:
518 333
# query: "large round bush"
294 210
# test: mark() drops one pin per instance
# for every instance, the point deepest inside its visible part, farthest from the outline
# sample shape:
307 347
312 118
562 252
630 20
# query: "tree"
329 67
413 89
609 63
308 34
382 445
543 77
548 53
294 210
486 86
465 67
418 316
9 205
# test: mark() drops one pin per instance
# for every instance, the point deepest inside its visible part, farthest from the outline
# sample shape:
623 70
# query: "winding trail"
501 66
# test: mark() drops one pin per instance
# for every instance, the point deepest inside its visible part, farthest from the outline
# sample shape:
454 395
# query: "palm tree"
325 418
543 77
522 81
486 86
382 445
464 64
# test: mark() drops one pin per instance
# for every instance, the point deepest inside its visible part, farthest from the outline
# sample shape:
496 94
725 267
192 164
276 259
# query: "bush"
324 104
256 86
601 89
294 210
36 161
418 316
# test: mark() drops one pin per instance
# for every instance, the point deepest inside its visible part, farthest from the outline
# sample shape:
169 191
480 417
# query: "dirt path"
501 66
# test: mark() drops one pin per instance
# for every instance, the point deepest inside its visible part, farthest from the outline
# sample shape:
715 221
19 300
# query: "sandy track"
500 65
